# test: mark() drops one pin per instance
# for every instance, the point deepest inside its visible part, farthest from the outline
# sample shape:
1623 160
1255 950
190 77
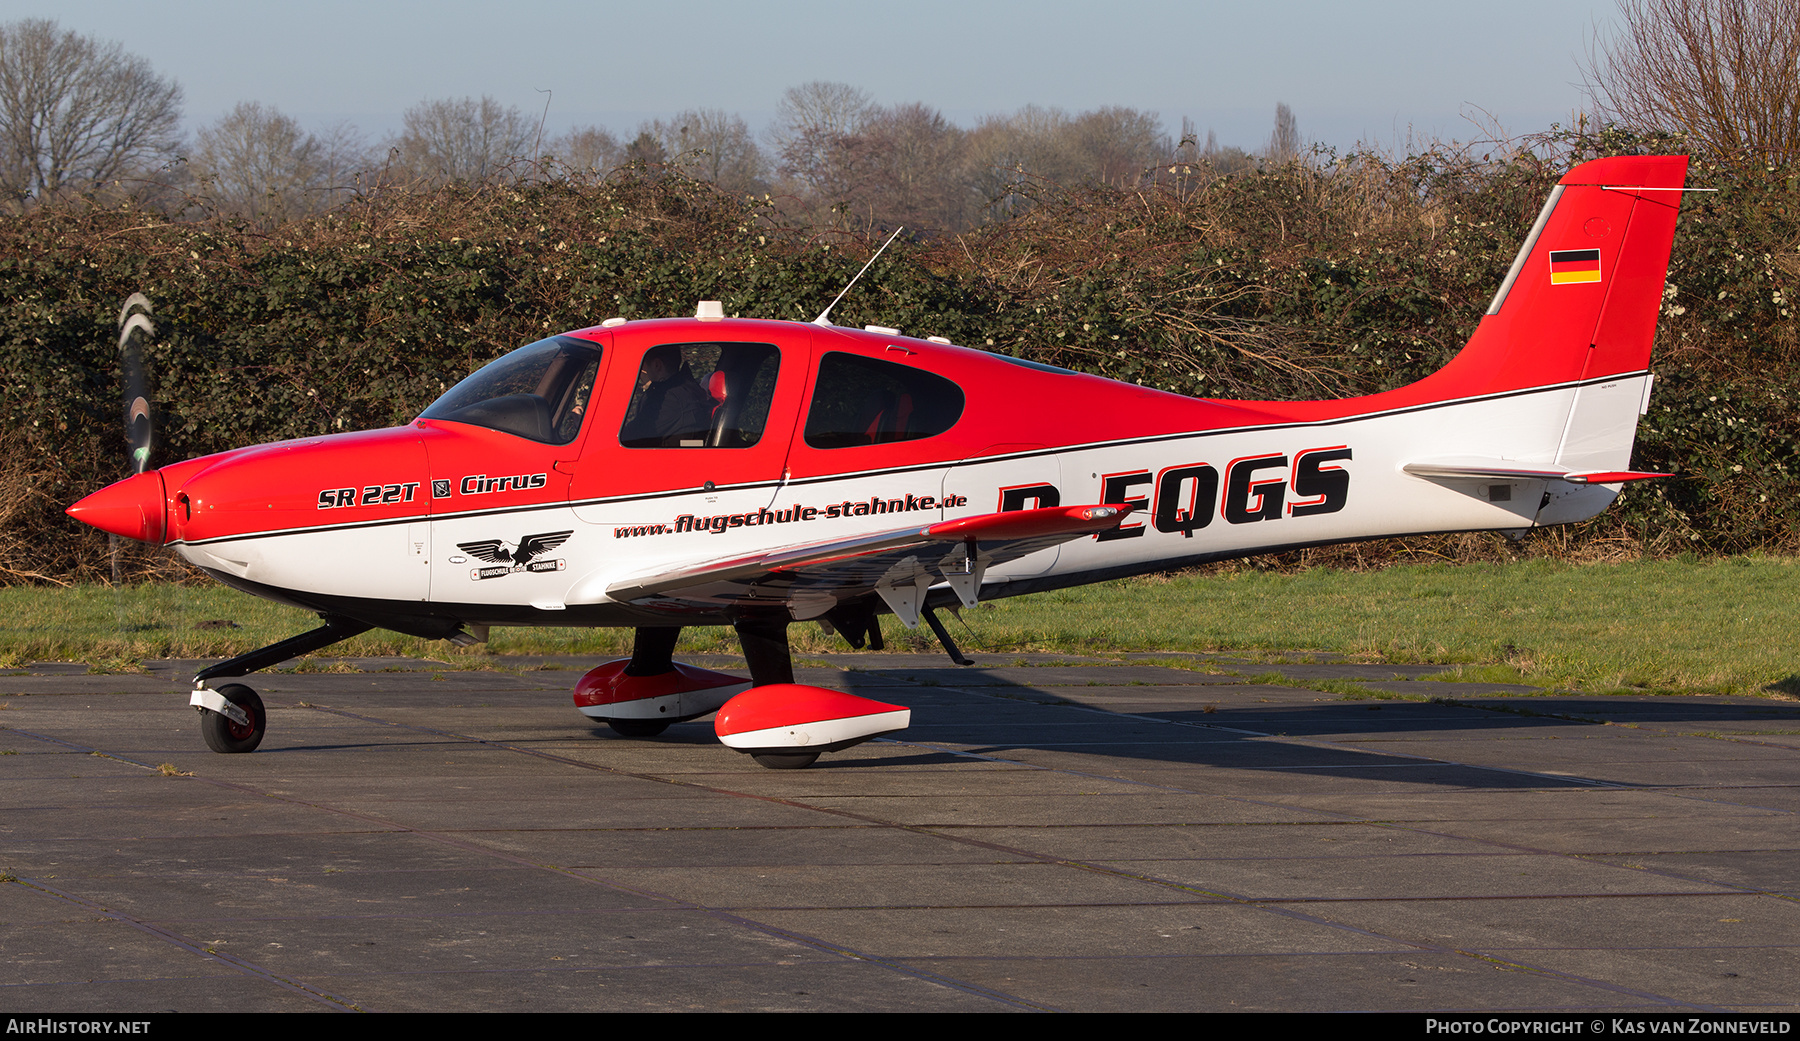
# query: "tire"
637 727
223 735
785 760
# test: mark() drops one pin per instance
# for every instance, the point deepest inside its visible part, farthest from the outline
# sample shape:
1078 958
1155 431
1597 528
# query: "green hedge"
1330 277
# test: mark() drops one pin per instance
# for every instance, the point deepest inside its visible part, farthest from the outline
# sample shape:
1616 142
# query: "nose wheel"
225 734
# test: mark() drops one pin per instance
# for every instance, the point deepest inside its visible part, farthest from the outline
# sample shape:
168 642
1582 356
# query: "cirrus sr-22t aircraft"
720 471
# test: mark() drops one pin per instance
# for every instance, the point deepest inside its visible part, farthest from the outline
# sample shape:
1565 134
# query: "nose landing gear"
231 716
221 727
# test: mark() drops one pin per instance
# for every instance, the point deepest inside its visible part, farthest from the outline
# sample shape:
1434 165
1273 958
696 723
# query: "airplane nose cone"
133 508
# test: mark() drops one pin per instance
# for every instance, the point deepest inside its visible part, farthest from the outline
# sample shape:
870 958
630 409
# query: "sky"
1353 73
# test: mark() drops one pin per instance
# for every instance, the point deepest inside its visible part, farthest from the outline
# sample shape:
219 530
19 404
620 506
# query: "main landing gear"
232 717
640 696
781 724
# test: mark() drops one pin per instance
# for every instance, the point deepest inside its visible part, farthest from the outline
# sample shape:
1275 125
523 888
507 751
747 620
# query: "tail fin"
1575 317
1581 300
1579 303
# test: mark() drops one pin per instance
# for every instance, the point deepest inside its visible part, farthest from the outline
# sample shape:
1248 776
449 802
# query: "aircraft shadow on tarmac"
1466 739
1471 740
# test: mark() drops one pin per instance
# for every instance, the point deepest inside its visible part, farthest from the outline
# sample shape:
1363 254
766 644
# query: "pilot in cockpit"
672 411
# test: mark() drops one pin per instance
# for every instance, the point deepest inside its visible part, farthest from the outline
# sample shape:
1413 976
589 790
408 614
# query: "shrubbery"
1306 279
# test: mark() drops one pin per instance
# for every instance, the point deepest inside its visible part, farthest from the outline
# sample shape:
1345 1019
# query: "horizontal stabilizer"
1506 470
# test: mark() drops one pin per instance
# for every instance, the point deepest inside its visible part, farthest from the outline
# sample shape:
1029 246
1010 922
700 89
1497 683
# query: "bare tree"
1116 145
810 122
905 166
1110 145
589 150
462 140
1187 150
76 113
260 164
1008 154
1284 141
347 158
713 145
1226 159
1725 72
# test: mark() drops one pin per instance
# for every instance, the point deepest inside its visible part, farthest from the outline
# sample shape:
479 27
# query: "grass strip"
1682 625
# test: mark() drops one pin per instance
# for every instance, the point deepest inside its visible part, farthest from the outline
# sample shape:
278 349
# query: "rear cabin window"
702 395
865 401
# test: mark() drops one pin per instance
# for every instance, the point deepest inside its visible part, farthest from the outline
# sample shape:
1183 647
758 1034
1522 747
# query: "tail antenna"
825 315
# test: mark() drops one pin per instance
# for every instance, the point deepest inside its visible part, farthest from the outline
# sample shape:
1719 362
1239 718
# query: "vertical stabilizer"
1581 300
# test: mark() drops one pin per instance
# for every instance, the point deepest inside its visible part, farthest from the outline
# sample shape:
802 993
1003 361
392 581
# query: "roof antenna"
537 147
824 316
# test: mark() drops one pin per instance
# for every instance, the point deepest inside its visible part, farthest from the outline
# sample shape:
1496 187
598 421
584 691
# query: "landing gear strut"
765 642
652 653
232 717
785 725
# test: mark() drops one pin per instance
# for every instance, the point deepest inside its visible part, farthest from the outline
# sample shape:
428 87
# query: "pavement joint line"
1498 962
1289 912
248 968
1483 898
673 903
1222 896
1511 848
1523 710
1510 965
1666 873
985 757
1085 866
1731 889
1506 964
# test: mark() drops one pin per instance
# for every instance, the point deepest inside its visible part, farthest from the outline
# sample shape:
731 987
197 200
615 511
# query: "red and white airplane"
722 471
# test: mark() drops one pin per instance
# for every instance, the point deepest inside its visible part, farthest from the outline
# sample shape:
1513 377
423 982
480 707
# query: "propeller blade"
135 330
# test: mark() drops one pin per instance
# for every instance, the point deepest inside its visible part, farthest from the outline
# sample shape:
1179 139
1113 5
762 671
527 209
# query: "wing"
899 565
533 546
489 551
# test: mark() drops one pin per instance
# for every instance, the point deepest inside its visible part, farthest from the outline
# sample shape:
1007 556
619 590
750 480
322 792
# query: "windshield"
539 391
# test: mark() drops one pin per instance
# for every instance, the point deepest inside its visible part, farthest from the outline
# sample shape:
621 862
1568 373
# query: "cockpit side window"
540 391
866 401
672 407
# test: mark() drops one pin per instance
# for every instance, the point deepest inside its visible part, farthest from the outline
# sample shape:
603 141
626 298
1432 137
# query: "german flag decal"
1574 265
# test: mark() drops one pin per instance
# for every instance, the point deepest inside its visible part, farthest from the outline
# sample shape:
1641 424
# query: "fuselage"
443 523
593 462
663 473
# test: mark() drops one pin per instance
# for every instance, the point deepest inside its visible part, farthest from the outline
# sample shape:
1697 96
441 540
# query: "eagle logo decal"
522 556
